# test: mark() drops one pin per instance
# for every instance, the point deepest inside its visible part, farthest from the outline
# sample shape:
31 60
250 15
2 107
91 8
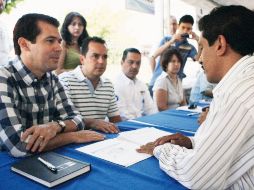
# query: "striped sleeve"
65 107
223 154
113 108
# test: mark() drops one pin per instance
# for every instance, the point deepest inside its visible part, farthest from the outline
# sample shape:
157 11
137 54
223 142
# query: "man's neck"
31 67
132 79
94 80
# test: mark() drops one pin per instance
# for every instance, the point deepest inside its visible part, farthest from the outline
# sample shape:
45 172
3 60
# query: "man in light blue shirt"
180 42
202 90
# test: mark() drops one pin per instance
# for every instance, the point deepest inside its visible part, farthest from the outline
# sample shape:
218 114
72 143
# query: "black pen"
48 165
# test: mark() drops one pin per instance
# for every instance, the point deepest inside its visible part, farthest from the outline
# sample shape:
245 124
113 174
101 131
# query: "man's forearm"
162 48
70 126
60 140
89 123
152 63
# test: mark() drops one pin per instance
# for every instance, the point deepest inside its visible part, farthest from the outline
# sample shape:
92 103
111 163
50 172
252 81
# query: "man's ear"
82 59
24 44
221 45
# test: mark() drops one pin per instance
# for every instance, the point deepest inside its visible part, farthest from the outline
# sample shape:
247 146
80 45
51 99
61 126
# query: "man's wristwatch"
61 125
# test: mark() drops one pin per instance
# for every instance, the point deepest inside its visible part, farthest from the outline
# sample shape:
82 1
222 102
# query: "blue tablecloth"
169 120
106 175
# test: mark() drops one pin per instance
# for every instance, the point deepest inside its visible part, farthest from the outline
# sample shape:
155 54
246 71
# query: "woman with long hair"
73 33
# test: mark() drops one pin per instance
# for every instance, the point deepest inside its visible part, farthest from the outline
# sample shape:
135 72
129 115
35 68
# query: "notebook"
64 168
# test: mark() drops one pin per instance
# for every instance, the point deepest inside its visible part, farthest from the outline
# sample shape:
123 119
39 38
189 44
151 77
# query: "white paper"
143 136
198 109
122 150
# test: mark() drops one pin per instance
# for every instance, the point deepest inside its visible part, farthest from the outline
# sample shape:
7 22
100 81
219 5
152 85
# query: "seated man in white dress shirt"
221 153
134 99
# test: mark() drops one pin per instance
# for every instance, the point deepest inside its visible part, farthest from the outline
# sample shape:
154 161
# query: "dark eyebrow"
53 38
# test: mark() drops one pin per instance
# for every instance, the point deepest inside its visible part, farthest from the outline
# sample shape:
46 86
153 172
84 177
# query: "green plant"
11 4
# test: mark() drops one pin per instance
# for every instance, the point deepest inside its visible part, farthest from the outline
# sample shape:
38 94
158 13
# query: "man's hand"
177 139
176 38
202 116
194 36
39 136
84 136
106 127
148 148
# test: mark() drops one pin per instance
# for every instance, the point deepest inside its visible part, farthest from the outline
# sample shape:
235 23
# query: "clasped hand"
38 136
177 139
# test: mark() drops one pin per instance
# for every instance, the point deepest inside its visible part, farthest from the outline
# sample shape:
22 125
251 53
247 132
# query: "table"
106 175
169 120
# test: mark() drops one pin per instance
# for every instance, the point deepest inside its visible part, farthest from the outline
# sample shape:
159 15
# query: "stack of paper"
122 150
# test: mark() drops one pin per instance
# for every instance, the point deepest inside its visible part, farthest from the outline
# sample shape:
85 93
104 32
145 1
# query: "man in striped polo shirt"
91 94
221 154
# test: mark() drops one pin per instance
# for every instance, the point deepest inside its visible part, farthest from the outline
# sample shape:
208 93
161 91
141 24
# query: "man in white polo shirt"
133 97
91 94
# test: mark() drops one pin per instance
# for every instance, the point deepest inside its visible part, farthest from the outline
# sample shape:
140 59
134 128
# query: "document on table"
198 109
122 150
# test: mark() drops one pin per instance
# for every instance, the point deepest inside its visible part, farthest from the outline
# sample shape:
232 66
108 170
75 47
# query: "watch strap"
61 125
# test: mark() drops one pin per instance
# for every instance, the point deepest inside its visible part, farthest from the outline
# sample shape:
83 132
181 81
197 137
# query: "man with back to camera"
221 154
35 114
179 40
134 99
90 93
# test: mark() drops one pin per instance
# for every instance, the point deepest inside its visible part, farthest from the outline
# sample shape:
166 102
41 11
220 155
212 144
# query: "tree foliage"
11 4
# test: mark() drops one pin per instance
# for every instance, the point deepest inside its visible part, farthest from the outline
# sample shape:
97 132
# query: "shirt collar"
127 80
26 75
81 77
233 72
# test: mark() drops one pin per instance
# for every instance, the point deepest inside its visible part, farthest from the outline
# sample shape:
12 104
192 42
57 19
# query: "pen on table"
48 165
191 114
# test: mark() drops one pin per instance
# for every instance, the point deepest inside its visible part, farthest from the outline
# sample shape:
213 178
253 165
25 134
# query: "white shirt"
175 93
223 147
134 99
5 44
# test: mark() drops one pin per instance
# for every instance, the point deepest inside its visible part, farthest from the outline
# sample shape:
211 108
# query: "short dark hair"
186 19
131 50
235 23
85 44
27 27
66 35
167 56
